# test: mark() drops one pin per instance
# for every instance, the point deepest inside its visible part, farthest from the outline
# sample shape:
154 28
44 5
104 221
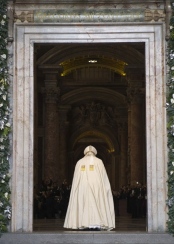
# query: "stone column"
136 132
51 90
122 125
63 145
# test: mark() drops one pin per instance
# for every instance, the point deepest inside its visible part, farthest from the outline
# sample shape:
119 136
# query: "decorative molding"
154 15
24 16
135 95
52 94
117 15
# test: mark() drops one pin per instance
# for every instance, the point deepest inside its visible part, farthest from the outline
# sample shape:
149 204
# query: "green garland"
5 209
170 124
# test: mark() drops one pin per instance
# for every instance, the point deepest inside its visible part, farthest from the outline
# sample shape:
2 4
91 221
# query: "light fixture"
92 61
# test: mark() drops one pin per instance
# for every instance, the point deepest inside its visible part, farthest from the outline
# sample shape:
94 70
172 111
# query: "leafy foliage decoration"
5 208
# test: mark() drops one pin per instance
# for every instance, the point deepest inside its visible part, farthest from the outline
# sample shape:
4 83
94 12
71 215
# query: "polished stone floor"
123 223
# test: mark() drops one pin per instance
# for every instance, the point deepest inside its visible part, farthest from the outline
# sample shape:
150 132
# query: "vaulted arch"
104 94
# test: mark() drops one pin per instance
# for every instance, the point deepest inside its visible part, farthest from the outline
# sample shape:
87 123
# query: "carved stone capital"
135 95
51 92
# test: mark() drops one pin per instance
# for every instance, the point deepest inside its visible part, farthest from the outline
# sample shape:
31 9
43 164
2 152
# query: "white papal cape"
91 200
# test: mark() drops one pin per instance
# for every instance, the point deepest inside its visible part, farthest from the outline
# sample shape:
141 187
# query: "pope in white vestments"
91 201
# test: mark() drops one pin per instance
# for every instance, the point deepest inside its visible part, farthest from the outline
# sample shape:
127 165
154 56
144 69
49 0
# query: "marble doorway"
23 158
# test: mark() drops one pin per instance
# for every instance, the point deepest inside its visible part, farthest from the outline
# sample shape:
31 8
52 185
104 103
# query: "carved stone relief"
52 94
93 113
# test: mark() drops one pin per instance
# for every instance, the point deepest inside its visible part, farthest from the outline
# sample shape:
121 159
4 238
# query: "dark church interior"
89 94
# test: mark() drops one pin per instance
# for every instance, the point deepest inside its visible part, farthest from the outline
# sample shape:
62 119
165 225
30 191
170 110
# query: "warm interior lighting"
115 65
92 61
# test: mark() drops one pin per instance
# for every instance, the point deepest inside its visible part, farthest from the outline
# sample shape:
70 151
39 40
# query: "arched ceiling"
93 61
94 93
113 56
95 133
126 52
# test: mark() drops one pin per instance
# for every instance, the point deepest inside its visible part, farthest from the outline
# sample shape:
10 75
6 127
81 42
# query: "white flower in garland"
7 113
2 147
171 56
2 87
8 212
1 124
2 22
6 195
172 99
8 124
4 176
4 56
4 97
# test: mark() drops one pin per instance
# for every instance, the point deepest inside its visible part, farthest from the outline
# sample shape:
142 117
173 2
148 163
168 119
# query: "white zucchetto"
90 149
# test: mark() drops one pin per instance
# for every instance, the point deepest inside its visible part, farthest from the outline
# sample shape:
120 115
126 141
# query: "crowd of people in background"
51 200
135 198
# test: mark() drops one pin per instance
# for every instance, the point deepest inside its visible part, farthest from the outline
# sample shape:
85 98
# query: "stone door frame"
25 35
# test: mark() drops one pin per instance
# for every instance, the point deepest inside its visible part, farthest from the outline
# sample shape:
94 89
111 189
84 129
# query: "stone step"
83 237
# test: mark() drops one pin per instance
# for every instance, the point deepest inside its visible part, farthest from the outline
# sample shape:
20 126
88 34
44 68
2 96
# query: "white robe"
91 200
